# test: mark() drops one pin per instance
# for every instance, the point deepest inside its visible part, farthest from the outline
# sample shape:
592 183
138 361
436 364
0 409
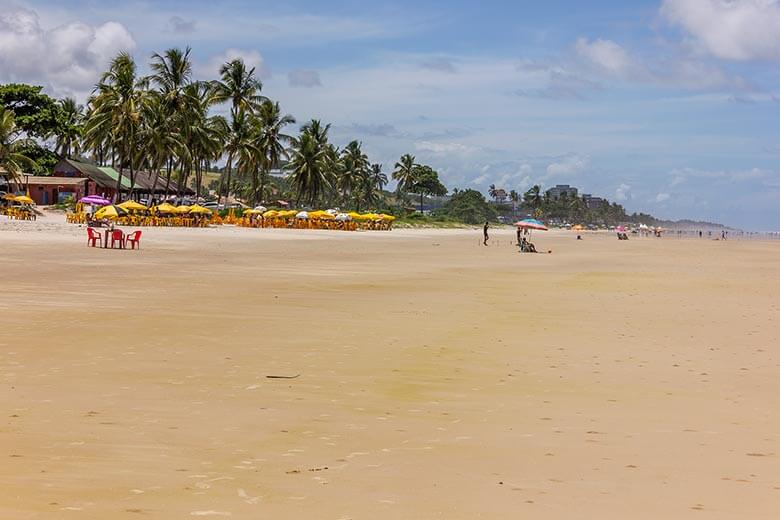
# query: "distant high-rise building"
558 190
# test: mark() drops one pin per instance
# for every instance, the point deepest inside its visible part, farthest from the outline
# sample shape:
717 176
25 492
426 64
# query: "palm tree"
69 135
272 141
354 171
12 161
404 174
202 135
374 182
172 72
493 192
533 197
239 145
308 160
515 198
117 113
159 137
239 86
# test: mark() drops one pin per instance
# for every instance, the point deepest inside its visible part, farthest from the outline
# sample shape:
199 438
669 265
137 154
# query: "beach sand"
436 378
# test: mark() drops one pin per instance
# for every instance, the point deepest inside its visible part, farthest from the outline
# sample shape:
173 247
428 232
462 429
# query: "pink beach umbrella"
531 223
95 199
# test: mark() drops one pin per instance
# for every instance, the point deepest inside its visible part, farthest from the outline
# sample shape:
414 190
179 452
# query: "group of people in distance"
526 246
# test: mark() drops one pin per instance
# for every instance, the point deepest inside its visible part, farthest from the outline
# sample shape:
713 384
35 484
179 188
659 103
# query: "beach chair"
93 238
117 236
134 239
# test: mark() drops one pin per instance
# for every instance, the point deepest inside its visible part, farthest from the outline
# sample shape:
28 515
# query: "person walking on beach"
485 233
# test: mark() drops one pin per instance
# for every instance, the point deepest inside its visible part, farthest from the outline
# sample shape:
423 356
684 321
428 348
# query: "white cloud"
623 192
68 58
567 166
662 197
729 29
605 54
443 148
252 58
304 78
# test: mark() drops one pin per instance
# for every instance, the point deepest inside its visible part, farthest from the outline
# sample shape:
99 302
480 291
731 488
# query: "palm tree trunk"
228 167
263 175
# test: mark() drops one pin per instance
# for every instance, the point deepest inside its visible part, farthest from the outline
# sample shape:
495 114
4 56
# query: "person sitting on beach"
526 246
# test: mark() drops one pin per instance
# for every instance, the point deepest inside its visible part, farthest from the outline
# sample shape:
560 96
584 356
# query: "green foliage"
37 114
44 159
468 206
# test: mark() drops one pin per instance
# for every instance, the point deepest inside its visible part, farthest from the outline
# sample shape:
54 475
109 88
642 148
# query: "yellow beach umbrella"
9 196
253 212
383 216
24 199
270 214
110 212
199 210
182 209
164 208
131 205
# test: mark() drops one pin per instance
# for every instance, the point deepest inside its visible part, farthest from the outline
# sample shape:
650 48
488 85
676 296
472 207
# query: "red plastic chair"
134 238
93 238
117 236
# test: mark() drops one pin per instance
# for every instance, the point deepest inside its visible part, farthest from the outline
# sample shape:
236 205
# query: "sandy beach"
433 377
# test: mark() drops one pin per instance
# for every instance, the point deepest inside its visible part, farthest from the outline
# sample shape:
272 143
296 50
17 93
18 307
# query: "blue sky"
667 106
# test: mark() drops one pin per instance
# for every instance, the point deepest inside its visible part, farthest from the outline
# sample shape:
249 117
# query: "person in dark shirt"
485 233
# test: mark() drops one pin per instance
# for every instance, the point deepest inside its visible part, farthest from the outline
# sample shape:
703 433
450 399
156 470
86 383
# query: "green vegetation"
468 206
166 123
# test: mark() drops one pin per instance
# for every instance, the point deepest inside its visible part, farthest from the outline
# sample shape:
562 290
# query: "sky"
666 106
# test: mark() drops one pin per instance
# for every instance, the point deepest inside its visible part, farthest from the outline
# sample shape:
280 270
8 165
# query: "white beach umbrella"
261 209
302 214
343 217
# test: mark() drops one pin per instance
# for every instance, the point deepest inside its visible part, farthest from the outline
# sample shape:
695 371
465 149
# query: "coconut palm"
493 192
239 145
270 124
307 167
12 161
117 113
238 85
159 136
515 198
354 171
171 73
533 197
404 174
374 182
69 135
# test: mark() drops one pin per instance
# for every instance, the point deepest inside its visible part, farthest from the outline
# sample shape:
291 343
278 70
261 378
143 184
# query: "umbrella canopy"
531 223
620 229
24 199
343 217
164 208
9 196
302 214
110 211
261 209
95 199
182 209
578 227
131 205
199 210
386 217
270 214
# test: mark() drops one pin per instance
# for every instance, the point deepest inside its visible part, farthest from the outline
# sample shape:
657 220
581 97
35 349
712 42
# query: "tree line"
165 123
